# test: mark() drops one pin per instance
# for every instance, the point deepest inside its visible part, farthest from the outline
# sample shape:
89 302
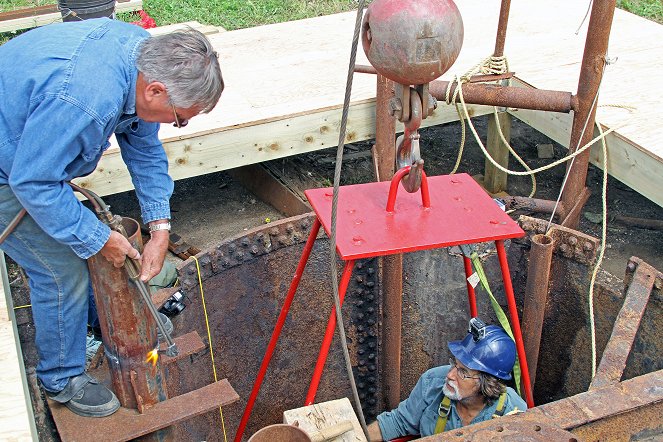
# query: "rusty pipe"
128 330
591 73
500 38
535 205
500 96
391 266
507 96
536 295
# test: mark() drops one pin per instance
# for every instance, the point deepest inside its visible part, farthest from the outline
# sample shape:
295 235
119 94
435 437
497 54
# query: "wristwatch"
159 226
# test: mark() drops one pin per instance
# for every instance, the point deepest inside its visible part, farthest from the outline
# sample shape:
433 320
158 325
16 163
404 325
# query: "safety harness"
445 408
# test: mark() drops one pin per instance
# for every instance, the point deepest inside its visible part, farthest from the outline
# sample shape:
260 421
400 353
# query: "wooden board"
325 414
16 421
205 29
33 21
285 85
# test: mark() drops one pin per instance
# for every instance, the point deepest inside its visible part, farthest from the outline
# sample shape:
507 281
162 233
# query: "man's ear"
154 91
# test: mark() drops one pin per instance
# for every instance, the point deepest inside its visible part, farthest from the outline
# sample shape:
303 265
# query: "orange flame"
152 356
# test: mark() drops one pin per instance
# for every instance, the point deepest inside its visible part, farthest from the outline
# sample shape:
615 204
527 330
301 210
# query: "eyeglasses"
178 123
462 371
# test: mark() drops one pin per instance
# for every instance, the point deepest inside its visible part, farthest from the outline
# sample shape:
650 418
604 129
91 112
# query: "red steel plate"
461 212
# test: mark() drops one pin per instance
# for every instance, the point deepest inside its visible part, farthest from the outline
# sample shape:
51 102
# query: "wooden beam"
255 142
33 21
494 179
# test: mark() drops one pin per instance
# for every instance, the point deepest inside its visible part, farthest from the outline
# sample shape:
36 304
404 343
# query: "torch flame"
152 356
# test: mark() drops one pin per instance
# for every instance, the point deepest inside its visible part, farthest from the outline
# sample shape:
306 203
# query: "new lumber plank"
16 421
34 17
285 84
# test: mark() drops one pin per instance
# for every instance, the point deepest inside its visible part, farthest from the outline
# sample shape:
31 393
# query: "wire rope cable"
332 248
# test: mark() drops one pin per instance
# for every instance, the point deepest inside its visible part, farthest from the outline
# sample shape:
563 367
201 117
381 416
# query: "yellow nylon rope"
209 338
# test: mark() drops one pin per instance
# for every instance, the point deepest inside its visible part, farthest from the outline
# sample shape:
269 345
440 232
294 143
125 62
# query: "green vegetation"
651 9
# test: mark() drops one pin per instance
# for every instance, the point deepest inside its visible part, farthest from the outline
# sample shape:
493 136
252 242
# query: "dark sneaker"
167 324
86 397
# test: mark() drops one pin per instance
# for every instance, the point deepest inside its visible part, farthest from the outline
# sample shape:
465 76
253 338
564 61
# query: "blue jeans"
60 291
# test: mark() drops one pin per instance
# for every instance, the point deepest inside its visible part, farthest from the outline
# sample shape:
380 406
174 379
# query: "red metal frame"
471 296
454 210
329 335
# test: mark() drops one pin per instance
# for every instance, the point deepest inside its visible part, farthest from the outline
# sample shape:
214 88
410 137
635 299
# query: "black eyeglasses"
178 123
462 371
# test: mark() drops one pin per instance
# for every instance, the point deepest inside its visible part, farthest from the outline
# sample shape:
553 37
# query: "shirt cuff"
94 242
154 211
387 431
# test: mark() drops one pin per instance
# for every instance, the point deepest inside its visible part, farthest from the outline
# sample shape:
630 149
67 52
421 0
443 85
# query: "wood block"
316 417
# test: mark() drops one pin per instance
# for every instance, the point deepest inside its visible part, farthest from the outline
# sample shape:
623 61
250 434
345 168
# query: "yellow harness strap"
442 415
445 408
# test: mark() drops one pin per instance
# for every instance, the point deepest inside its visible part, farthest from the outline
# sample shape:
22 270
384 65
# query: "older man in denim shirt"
65 89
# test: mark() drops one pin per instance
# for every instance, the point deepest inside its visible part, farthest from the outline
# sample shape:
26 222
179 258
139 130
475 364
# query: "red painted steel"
396 180
277 329
460 213
471 296
515 323
329 335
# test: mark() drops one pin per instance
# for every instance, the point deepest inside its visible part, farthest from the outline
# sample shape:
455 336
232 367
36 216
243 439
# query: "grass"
651 9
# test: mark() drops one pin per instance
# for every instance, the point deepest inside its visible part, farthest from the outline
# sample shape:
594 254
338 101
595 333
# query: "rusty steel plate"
522 430
461 212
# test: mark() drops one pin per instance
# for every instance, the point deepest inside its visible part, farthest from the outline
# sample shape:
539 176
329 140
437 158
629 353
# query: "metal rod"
591 73
471 295
393 189
329 335
515 322
12 225
277 328
500 39
536 296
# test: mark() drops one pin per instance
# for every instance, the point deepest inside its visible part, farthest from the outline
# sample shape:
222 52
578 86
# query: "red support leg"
471 296
515 322
277 329
329 334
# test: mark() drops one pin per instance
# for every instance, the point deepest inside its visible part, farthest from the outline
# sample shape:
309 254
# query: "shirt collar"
130 103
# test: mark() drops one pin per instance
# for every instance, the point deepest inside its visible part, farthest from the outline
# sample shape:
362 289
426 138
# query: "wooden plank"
28 22
316 417
494 179
630 163
254 143
205 29
16 420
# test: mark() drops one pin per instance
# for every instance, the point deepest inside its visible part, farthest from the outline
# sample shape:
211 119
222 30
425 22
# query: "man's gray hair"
490 386
185 62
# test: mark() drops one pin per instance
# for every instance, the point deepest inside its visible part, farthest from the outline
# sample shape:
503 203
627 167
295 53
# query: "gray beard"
453 395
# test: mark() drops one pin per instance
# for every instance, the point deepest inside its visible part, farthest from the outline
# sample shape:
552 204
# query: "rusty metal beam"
588 413
500 38
128 424
591 74
626 326
390 267
536 296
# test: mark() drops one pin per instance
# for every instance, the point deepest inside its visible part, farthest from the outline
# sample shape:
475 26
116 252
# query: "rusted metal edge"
577 411
128 424
626 325
187 344
567 242
245 247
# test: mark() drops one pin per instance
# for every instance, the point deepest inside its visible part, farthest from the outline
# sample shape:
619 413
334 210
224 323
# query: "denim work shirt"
418 413
64 90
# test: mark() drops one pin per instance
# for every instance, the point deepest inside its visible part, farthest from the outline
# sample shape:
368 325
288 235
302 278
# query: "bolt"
191 270
573 240
631 266
245 242
566 250
361 351
370 310
239 256
371 401
362 340
370 270
370 284
359 279
372 390
396 108
254 250
361 385
371 345
362 362
371 367
296 237
289 228
359 303
371 356
232 247
274 231
360 316
588 246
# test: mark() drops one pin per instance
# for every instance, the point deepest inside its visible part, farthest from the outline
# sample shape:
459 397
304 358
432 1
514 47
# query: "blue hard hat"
488 349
